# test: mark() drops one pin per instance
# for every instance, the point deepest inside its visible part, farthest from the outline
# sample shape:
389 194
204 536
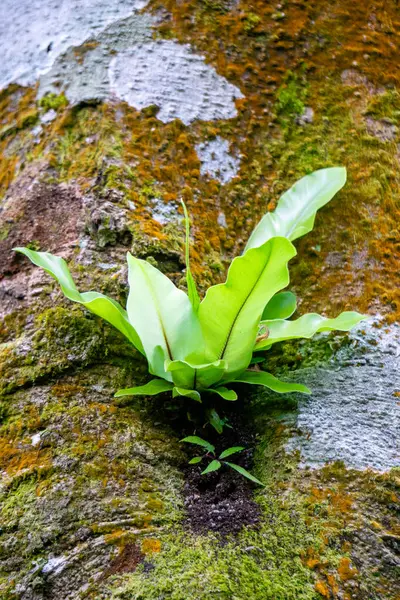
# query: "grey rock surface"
83 71
353 413
47 28
216 160
93 51
174 78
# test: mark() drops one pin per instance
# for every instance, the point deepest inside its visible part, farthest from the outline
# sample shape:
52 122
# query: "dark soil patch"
126 562
39 214
222 501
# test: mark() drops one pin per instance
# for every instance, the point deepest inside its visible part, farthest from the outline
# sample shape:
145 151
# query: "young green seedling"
202 347
217 462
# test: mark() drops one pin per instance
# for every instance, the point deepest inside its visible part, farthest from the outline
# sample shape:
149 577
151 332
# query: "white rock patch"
216 161
35 439
54 565
353 413
171 76
33 33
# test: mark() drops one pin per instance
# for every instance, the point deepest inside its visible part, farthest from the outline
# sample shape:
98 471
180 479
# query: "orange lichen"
66 390
322 589
342 78
311 559
346 571
237 44
338 503
332 583
336 58
17 114
16 457
150 546
116 537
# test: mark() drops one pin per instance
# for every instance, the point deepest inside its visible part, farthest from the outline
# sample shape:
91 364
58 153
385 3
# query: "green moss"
199 568
74 155
219 6
386 105
27 118
61 330
53 101
258 565
33 245
267 562
291 95
16 502
4 231
296 553
111 455
24 120
62 337
251 21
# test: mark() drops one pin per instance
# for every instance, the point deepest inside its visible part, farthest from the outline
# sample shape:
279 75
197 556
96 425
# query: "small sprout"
213 466
215 420
195 460
194 439
230 451
216 463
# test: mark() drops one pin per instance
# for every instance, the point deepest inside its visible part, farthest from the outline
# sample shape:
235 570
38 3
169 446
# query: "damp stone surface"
93 489
353 413
33 33
216 160
175 79
83 71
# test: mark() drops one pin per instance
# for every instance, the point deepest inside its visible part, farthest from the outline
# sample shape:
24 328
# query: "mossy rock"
92 490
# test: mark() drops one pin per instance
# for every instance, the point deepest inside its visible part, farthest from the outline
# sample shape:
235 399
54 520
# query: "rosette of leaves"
195 347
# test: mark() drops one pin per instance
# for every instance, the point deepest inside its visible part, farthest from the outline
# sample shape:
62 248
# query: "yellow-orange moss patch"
150 546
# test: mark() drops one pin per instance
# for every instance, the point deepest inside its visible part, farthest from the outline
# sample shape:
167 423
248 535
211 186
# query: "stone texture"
216 160
48 29
174 78
91 487
82 71
353 413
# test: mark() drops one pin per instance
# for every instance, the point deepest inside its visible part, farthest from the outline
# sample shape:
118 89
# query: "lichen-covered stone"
91 491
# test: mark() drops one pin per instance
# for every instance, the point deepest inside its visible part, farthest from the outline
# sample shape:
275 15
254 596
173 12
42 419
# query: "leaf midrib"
303 210
242 306
298 215
158 313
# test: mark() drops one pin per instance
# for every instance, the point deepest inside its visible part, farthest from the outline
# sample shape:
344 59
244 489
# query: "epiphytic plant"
198 347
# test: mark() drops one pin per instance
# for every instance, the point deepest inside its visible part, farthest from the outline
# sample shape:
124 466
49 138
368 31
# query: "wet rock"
306 117
62 545
82 71
45 38
107 223
216 160
124 62
163 213
221 220
383 129
45 216
174 78
353 414
48 116
98 484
